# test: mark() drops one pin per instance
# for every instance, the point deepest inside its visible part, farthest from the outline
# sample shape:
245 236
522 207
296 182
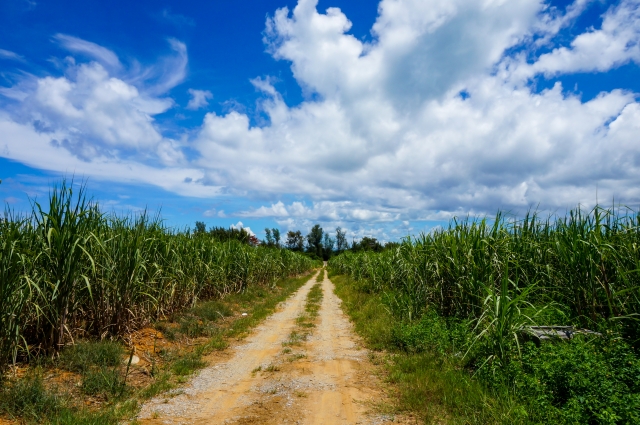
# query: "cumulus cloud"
391 130
275 210
615 43
323 211
92 113
199 99
435 116
95 121
239 226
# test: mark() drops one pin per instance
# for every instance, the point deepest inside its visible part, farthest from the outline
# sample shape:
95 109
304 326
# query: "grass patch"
168 332
216 343
84 355
295 338
161 384
304 322
212 311
272 368
295 357
313 300
192 327
371 320
28 399
102 365
31 402
430 385
188 364
105 382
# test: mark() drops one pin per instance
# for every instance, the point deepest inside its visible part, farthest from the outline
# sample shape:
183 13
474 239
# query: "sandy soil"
326 379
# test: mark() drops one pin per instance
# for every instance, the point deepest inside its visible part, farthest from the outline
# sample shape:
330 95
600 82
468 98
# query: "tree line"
317 244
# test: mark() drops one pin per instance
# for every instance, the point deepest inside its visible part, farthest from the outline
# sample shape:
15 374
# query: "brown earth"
327 379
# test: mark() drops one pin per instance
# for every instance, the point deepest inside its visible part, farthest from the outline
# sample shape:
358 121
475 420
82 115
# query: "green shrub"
187 365
87 417
432 333
191 327
585 381
29 399
212 311
84 355
103 381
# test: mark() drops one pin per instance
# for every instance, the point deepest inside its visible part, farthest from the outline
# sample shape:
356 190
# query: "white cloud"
390 130
93 113
93 50
275 210
38 150
176 18
212 212
384 134
239 226
96 111
324 211
198 99
615 43
7 54
95 122
172 69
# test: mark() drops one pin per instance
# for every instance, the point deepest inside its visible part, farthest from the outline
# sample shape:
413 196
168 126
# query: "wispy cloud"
170 71
176 18
93 50
6 54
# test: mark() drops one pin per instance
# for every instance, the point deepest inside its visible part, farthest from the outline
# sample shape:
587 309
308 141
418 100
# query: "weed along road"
302 365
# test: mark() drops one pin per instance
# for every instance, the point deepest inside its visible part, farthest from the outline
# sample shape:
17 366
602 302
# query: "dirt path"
326 379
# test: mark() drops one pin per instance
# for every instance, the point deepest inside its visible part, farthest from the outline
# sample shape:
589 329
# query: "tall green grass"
71 270
469 293
586 265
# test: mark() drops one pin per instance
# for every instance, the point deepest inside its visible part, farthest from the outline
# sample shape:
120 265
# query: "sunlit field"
471 295
70 270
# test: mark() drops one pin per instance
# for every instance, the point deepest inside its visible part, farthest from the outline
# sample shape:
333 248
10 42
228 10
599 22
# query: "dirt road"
326 379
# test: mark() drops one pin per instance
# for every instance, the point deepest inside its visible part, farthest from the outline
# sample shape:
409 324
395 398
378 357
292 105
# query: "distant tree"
253 240
314 240
327 246
276 236
224 234
295 240
391 245
269 241
367 244
200 227
341 240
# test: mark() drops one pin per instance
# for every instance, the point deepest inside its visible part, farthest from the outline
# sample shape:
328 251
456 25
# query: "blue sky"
383 118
